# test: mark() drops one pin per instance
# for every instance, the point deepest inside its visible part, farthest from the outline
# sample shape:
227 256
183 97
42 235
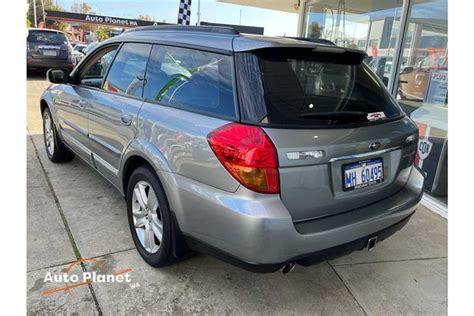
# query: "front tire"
149 217
55 149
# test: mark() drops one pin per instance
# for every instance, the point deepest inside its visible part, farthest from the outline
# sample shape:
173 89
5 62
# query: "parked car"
264 152
382 66
47 49
78 52
414 80
89 48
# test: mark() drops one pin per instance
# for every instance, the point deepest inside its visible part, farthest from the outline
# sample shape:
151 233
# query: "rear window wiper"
336 115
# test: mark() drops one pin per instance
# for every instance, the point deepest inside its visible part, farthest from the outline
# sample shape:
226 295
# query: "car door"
114 107
73 100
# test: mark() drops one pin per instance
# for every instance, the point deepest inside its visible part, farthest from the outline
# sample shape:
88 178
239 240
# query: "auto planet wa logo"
74 276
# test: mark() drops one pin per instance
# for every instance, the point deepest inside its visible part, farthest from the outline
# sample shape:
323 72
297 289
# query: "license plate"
362 174
50 53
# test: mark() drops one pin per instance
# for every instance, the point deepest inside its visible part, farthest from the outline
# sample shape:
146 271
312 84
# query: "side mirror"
407 70
57 75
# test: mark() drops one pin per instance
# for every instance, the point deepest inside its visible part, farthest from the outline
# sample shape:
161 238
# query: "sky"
274 22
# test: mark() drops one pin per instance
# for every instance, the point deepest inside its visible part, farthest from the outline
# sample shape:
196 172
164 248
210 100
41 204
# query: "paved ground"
74 213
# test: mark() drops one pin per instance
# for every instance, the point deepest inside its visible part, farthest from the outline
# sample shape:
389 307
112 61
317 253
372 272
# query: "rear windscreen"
302 87
47 37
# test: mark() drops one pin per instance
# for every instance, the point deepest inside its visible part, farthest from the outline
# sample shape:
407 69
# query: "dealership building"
406 41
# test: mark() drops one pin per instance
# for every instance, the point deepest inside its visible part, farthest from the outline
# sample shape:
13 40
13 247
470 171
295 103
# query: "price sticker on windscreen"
375 116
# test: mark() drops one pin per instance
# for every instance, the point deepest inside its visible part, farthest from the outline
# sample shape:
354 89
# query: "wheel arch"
43 105
133 161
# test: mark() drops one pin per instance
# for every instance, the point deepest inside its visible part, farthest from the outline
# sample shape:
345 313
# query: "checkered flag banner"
184 15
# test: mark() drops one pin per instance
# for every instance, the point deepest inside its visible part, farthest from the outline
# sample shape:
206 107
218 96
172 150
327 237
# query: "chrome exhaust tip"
287 268
371 243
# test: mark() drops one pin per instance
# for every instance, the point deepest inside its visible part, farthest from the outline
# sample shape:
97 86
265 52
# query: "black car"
47 49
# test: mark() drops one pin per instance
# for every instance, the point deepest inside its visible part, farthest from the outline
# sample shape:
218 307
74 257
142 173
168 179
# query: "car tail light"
248 154
69 52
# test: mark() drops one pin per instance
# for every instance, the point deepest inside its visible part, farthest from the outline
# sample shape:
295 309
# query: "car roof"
215 39
45 30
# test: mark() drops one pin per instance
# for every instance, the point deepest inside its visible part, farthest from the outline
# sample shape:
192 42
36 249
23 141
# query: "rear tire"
55 149
149 217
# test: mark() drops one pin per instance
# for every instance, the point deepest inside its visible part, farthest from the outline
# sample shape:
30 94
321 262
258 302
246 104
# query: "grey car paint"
72 119
210 205
112 126
312 188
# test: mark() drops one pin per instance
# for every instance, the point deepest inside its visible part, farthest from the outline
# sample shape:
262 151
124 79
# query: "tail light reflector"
248 154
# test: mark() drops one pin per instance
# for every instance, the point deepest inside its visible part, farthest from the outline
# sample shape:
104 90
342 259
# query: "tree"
315 30
102 34
48 5
83 8
145 18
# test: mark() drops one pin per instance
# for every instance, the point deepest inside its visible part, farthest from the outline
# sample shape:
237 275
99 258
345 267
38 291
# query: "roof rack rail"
314 40
187 28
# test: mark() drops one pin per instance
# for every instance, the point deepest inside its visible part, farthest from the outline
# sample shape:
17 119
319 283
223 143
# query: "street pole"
199 13
44 15
34 12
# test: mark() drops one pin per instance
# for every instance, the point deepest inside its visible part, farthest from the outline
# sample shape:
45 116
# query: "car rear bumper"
305 259
49 63
257 233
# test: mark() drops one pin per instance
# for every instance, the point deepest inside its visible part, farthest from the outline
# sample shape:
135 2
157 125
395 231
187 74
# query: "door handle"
126 119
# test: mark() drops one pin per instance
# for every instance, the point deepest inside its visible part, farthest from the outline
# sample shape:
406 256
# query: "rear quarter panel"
181 139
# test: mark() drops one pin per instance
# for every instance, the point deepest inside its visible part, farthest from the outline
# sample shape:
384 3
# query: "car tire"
145 222
55 149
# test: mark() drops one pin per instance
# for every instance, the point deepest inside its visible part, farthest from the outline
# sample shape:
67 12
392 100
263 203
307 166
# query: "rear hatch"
342 141
45 44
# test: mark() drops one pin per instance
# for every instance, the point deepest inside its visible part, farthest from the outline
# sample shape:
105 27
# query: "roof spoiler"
313 40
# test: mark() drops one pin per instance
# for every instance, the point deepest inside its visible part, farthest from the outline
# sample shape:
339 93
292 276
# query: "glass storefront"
423 88
373 27
406 43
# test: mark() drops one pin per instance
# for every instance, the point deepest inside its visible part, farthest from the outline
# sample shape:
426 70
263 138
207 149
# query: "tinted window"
191 79
301 87
128 70
95 70
46 37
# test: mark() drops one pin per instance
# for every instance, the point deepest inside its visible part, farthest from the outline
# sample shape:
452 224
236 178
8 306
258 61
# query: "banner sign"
431 152
96 19
184 12
437 91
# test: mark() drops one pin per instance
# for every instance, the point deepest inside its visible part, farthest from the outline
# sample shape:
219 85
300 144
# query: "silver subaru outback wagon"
265 152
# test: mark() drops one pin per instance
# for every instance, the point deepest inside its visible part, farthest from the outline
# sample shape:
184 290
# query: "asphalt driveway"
72 213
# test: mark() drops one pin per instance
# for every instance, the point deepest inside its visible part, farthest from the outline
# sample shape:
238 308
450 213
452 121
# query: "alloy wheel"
147 216
49 134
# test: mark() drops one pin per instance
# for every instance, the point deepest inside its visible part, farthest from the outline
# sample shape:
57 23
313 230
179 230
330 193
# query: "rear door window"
127 73
191 79
46 37
302 88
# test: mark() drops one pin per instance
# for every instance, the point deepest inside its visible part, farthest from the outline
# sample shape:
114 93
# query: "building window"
372 26
423 88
